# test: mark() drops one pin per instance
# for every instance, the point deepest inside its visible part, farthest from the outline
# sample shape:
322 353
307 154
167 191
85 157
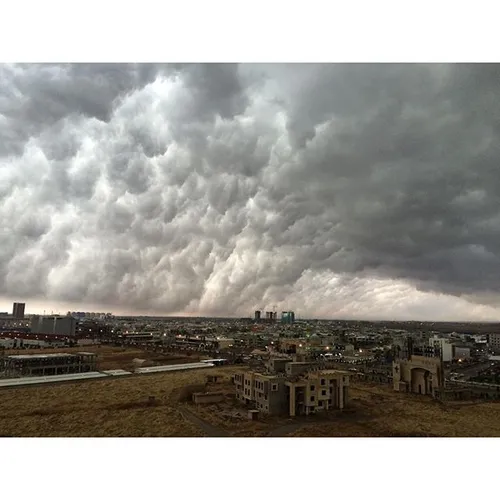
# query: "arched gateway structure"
418 370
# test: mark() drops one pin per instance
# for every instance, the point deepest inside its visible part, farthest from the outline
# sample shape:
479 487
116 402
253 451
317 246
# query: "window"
313 387
312 399
320 404
323 381
265 397
274 387
323 392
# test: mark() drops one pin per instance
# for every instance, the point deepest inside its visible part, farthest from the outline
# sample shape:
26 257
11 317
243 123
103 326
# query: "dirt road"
209 429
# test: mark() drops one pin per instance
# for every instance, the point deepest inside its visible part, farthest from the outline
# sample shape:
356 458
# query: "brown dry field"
374 411
100 408
112 358
119 407
380 412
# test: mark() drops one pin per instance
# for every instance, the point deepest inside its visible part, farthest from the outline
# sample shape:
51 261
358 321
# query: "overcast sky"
338 191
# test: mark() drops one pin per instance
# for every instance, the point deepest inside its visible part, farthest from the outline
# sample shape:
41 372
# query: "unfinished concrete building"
318 391
277 365
28 365
299 390
267 393
418 370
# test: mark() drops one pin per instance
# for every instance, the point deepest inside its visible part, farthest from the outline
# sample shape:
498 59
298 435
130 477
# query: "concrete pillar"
292 401
342 403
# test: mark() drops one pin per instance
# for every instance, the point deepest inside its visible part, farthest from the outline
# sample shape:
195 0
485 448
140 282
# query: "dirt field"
111 358
374 411
378 411
111 407
120 407
232 417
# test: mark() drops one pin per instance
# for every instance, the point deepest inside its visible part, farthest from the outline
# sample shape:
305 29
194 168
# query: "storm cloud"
336 190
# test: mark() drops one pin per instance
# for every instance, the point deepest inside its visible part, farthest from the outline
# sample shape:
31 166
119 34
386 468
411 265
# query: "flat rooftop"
330 372
41 356
49 356
265 375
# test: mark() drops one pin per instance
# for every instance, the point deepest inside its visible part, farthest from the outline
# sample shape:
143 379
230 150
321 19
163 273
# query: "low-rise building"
292 346
29 365
494 342
303 394
266 392
224 343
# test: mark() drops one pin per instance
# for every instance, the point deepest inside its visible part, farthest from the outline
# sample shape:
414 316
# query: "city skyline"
337 191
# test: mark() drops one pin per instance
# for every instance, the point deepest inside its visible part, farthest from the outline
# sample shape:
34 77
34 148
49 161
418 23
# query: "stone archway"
420 381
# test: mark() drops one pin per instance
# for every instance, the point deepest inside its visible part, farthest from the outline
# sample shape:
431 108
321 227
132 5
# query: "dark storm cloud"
333 189
35 96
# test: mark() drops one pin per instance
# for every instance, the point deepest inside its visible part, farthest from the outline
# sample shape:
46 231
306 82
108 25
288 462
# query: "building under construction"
293 388
28 365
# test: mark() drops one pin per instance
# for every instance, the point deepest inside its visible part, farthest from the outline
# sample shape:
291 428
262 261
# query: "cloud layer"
336 190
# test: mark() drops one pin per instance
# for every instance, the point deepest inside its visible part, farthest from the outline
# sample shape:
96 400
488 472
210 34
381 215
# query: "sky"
356 191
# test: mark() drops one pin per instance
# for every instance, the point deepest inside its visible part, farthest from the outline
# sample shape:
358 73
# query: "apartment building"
18 310
494 342
444 345
293 395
